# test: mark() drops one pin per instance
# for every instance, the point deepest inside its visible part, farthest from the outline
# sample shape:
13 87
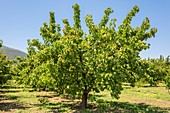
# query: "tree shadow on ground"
13 89
102 106
8 89
7 97
10 106
125 107
7 103
58 107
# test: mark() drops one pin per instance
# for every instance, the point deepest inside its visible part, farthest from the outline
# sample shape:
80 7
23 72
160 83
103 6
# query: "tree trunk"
84 99
85 92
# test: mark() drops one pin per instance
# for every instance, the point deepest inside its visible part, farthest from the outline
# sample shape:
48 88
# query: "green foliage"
77 63
157 70
37 69
5 64
0 43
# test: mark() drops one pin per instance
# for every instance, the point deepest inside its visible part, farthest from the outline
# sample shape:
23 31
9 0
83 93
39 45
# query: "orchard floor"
132 100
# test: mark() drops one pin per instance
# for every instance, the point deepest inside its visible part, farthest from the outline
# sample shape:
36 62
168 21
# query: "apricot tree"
76 62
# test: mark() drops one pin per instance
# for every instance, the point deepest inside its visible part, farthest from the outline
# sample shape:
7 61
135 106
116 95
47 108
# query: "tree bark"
85 92
84 99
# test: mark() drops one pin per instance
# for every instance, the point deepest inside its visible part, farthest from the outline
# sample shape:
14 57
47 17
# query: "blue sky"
21 19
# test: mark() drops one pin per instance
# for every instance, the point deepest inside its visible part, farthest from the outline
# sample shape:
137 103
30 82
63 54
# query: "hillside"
11 53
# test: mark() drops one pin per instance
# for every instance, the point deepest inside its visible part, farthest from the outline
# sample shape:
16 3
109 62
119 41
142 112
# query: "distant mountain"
11 53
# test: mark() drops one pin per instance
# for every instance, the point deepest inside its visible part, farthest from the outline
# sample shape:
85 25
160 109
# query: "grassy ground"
132 100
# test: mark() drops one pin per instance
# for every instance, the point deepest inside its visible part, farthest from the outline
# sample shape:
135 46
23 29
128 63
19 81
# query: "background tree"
0 43
79 62
156 70
5 64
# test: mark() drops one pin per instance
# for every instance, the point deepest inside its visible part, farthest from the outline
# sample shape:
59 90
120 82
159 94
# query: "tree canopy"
5 65
75 62
156 70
